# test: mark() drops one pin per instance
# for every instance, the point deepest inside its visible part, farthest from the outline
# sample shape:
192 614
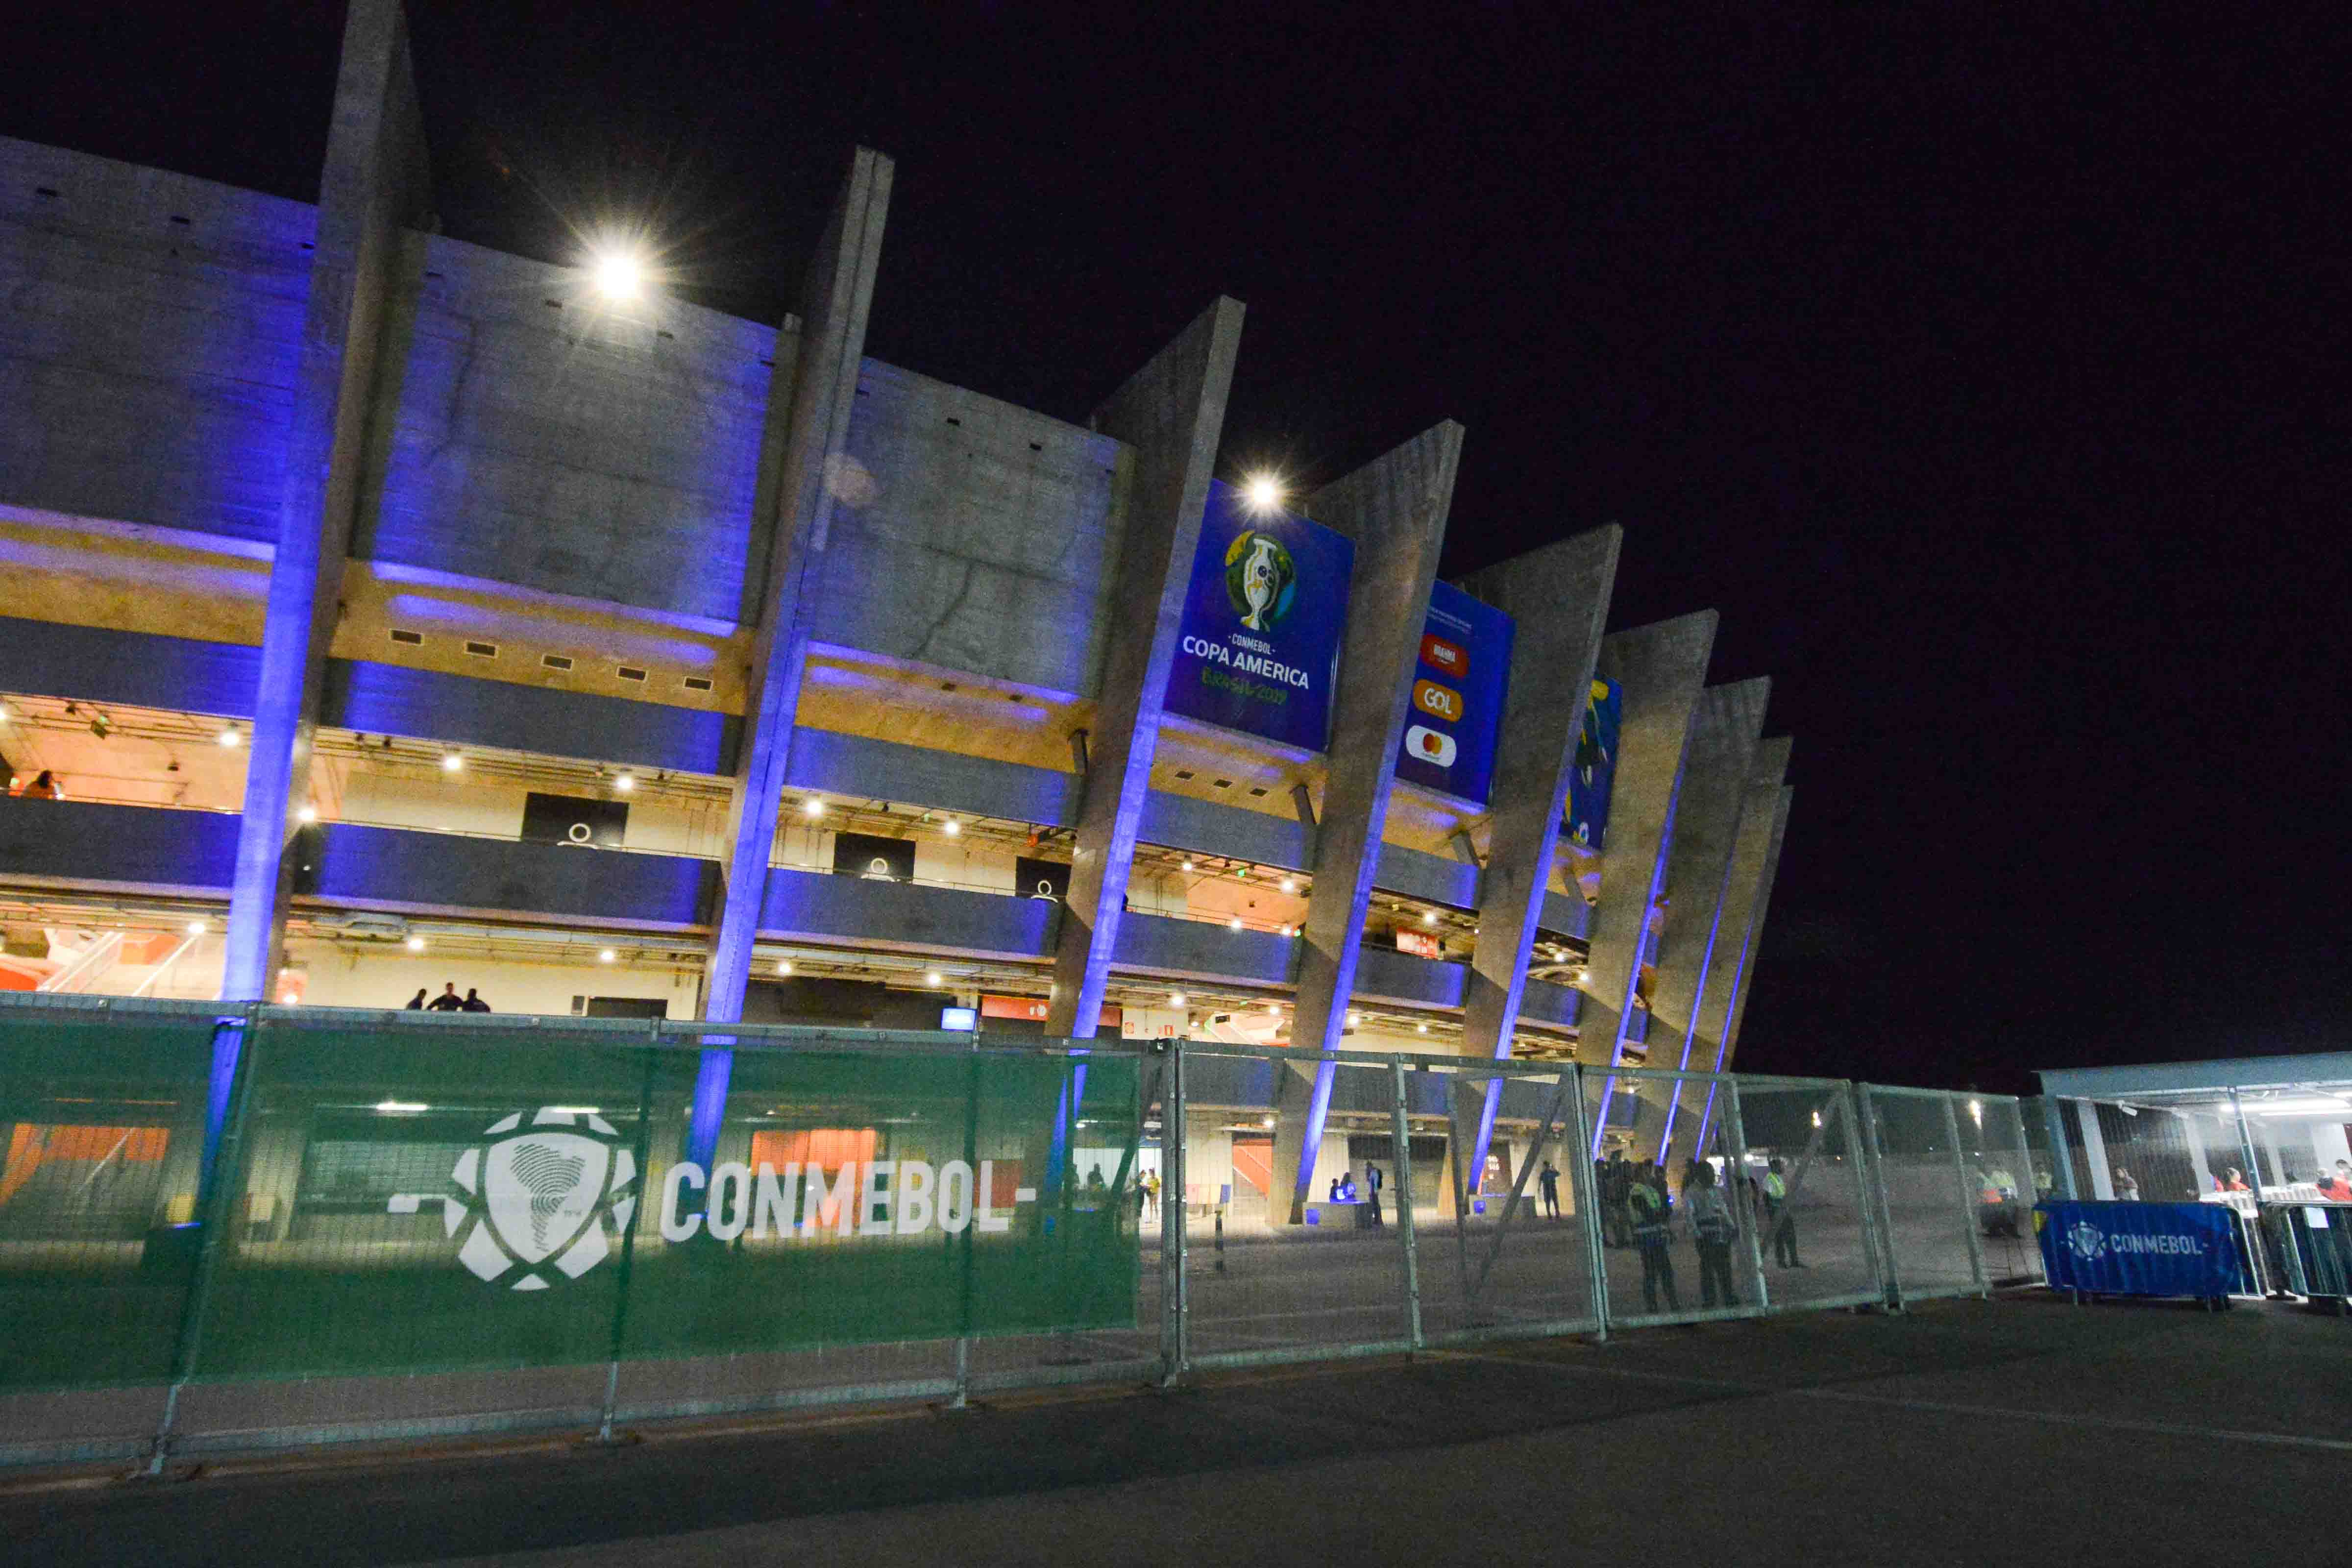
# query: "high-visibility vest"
1774 1187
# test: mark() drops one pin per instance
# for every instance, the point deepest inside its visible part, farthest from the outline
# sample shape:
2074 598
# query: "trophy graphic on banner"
1259 584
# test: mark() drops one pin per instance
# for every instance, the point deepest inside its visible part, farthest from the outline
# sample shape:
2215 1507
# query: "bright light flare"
1262 493
618 274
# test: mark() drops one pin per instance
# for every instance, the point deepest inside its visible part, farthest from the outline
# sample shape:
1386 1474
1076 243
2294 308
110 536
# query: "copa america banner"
1457 697
2141 1249
1595 771
1260 644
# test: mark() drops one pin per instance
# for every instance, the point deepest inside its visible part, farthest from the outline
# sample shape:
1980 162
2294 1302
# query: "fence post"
1400 1135
216 1187
642 1150
1175 1318
1877 1213
1736 1130
1583 1183
1968 1198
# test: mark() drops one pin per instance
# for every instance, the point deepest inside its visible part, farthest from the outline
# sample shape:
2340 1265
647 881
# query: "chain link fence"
232 1228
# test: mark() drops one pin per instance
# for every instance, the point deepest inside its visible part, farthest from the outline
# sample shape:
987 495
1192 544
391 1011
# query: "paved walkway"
1966 1432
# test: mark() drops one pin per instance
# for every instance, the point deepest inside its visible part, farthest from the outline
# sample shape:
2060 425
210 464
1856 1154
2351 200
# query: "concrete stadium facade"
332 550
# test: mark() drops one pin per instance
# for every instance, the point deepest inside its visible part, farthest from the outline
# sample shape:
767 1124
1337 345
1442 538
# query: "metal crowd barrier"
227 1228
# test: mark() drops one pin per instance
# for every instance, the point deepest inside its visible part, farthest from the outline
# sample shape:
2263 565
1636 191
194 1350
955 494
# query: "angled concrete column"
1172 413
1558 598
1724 737
809 402
1395 510
374 184
1663 668
1756 860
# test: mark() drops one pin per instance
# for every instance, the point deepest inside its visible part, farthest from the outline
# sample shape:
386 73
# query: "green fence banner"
408 1199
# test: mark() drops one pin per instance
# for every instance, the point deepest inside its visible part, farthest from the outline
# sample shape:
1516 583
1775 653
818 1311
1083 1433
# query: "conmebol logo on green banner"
545 1200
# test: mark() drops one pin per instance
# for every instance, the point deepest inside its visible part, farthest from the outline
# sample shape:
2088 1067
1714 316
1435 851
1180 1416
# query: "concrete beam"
1757 861
808 422
1663 668
809 404
1170 415
1395 510
1724 737
1558 598
372 188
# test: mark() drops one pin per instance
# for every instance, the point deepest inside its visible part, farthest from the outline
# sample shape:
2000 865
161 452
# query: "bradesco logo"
760 1202
550 1197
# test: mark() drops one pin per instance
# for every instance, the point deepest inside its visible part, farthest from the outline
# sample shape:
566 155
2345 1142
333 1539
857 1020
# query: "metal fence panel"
1670 1253
1261 1286
2002 1164
1815 1222
1926 1197
1508 1255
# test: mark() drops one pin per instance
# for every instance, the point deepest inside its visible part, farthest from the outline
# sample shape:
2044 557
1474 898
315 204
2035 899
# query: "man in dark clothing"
474 1003
1548 1178
1651 1227
448 1001
1373 1179
1616 1199
415 1002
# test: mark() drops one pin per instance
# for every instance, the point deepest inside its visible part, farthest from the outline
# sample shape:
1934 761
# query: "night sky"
1986 373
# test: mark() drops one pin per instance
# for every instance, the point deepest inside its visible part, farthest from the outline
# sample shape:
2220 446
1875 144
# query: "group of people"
1638 1209
448 1001
1344 1191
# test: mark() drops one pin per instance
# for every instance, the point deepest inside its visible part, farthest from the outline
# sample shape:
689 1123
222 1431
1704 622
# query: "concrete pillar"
1395 510
374 186
1558 598
1755 856
810 397
1663 668
1170 415
1741 982
1723 736
808 401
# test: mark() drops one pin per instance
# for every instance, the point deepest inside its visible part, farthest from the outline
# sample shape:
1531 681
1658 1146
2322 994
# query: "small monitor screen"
959 1018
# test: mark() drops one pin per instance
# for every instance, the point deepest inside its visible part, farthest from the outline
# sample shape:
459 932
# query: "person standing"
1713 1227
1373 1180
417 1003
2127 1186
448 1001
474 1003
1616 1200
1650 1220
1548 1178
1783 1221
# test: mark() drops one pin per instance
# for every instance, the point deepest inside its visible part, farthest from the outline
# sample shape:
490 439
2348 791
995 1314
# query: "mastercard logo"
1430 745
1447 659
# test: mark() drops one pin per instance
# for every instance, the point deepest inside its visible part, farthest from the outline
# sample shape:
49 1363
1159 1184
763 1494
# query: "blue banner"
1457 697
1589 782
1260 644
2141 1249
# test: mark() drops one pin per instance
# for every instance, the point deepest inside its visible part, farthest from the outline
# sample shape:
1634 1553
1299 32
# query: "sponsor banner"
1595 771
1260 642
460 1202
1033 1008
1420 944
1457 697
2141 1249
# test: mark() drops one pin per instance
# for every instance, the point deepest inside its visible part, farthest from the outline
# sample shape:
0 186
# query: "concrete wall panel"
543 437
394 699
390 867
149 343
971 535
91 844
137 669
807 904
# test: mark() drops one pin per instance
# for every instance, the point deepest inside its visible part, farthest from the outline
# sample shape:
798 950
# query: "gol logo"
1442 701
549 1194
1445 658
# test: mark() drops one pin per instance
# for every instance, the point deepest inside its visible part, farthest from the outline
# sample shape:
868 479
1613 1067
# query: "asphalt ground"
1963 1432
